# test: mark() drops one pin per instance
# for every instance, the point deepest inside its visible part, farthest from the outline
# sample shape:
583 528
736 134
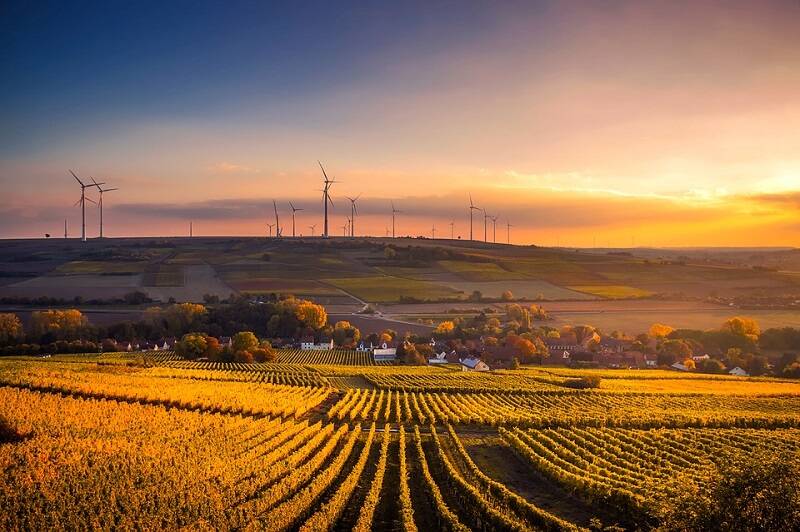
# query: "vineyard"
319 442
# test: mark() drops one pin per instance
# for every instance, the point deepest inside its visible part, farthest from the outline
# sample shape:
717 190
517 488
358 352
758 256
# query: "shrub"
583 383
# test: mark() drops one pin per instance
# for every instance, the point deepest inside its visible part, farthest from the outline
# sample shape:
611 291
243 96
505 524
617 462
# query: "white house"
739 372
441 358
361 348
308 345
473 364
700 358
384 352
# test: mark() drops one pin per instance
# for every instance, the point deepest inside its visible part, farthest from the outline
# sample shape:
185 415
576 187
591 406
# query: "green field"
612 291
387 289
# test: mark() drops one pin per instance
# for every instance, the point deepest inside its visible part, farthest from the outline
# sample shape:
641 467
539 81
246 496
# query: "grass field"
612 291
325 443
387 289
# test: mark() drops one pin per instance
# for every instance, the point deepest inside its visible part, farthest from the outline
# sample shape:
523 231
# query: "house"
700 358
650 361
680 367
385 352
626 359
362 348
307 344
611 345
473 364
441 358
558 346
225 341
739 372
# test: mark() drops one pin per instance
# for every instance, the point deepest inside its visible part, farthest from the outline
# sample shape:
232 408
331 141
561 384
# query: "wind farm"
283 299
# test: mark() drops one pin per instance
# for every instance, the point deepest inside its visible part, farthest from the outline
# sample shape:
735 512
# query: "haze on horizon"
658 123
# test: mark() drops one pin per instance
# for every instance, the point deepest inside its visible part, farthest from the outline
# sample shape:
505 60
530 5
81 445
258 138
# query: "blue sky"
658 111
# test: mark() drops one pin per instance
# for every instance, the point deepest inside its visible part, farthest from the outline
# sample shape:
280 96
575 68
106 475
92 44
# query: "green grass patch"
381 289
612 291
479 271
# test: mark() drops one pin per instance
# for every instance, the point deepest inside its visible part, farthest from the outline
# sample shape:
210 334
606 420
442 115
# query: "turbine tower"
485 218
508 232
270 229
433 232
326 197
65 228
346 228
472 207
294 210
277 221
353 212
313 228
494 229
100 202
394 211
82 202
452 230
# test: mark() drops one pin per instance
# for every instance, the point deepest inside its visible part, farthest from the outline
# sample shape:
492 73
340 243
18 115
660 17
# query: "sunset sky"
653 123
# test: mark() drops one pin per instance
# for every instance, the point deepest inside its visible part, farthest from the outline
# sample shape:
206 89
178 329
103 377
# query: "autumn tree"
311 315
58 324
745 327
444 329
10 328
344 334
192 345
584 333
507 295
244 341
659 330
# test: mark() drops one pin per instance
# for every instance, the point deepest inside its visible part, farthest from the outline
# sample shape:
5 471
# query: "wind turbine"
100 202
433 232
508 232
326 197
485 217
294 210
472 207
346 228
65 228
394 211
82 202
277 221
494 229
452 230
313 228
353 212
270 229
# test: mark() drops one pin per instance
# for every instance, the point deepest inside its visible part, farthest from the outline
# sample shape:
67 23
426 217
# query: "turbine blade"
323 170
91 200
76 178
77 202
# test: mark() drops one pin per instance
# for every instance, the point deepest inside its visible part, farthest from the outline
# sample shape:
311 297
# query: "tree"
10 328
389 253
444 329
311 315
244 357
711 365
758 491
792 371
183 317
689 363
507 295
192 345
345 334
476 295
244 341
659 330
58 324
584 333
740 326
213 348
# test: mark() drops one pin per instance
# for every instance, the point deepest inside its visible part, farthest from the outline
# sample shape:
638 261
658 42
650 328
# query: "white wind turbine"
294 210
100 202
82 201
